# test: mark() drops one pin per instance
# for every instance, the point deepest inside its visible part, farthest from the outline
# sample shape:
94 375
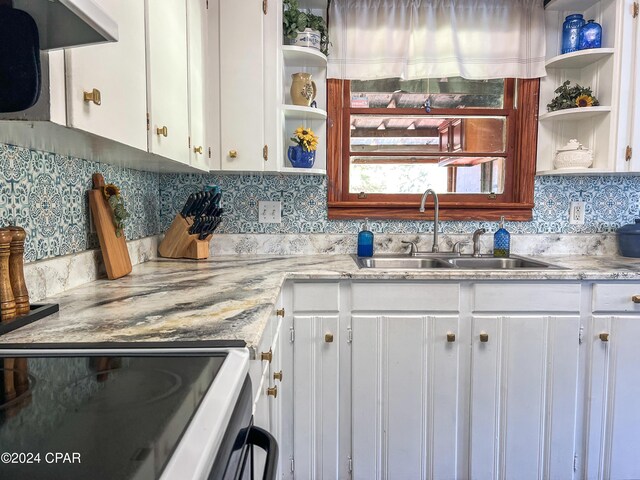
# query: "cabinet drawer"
615 297
405 296
316 297
526 297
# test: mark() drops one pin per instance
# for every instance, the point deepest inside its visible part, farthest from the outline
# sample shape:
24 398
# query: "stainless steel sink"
449 261
396 261
491 263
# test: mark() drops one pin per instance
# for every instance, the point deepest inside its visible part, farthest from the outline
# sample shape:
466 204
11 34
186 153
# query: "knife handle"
187 206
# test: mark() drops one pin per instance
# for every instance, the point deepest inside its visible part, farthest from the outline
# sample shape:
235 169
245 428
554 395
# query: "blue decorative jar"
571 32
590 35
301 158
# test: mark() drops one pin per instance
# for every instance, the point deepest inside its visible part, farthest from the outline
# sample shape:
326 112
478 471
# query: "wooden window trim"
515 204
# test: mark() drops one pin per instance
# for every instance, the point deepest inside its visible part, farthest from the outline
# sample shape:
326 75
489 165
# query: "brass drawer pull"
604 336
164 131
484 337
451 337
328 337
233 153
268 356
277 375
272 392
93 96
197 150
635 299
280 312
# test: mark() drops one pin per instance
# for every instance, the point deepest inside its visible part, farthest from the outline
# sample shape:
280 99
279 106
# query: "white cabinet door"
316 418
405 413
197 39
524 376
614 380
167 79
241 85
117 70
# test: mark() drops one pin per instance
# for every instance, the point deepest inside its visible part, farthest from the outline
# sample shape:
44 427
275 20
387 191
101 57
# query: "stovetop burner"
136 387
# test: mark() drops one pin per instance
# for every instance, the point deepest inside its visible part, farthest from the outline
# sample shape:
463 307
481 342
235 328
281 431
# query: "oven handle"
263 439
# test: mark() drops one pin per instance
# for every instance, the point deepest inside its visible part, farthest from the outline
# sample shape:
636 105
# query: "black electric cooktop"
95 416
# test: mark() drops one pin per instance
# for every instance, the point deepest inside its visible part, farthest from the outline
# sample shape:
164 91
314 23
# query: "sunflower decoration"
584 101
112 194
576 96
305 138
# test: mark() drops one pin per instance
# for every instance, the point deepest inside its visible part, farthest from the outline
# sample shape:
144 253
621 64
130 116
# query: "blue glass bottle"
365 241
590 35
501 241
571 31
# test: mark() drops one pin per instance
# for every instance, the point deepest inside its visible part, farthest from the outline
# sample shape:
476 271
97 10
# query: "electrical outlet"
269 212
576 213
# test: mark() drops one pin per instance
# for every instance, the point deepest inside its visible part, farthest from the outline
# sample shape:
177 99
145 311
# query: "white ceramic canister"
308 38
573 155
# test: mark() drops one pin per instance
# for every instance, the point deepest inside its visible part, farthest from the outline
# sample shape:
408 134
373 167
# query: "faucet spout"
476 241
426 193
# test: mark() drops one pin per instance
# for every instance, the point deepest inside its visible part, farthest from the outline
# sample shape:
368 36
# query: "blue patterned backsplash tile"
46 194
611 201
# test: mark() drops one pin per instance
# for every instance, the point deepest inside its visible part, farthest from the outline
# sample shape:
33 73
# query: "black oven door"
235 459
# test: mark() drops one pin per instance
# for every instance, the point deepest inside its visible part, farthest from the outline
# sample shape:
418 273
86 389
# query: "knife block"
178 243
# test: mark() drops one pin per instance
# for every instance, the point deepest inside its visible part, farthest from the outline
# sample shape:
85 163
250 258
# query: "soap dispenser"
501 241
365 241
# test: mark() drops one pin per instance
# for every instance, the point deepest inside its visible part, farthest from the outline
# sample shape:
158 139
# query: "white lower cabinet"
613 441
405 414
523 388
460 380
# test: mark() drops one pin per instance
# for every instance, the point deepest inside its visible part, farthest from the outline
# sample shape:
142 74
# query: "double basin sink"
443 261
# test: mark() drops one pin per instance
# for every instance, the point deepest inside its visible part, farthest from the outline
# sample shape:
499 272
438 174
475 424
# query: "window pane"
427 134
393 175
454 92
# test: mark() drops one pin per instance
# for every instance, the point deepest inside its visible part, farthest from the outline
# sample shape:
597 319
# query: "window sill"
519 212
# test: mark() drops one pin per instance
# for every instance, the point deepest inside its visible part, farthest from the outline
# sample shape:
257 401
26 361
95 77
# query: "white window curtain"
410 39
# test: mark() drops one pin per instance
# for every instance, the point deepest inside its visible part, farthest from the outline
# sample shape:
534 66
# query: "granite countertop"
231 298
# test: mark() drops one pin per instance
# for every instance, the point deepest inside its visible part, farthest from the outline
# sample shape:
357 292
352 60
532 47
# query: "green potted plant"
304 28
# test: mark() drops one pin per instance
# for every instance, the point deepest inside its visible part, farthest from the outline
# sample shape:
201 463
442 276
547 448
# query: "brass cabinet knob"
164 131
280 312
484 337
197 150
451 337
268 356
328 337
233 153
277 375
604 336
93 96
272 392
635 299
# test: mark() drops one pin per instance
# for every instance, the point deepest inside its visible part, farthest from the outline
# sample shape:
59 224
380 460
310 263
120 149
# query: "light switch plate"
576 213
269 212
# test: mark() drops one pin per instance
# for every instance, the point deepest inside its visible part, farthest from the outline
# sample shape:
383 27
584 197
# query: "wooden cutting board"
114 249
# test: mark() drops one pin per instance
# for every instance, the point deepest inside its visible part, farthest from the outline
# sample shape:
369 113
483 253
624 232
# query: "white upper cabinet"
242 85
167 89
106 83
197 41
607 130
251 105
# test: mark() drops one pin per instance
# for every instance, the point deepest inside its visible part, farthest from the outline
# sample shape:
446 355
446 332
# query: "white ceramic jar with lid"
573 155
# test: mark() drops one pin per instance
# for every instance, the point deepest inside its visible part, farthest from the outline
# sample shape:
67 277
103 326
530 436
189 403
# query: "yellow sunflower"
584 101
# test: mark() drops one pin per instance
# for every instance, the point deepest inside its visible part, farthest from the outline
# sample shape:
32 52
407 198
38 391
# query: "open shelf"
575 113
307 56
573 5
579 59
574 171
303 113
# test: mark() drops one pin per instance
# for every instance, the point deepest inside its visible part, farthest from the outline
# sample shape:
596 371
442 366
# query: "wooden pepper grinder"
7 302
16 271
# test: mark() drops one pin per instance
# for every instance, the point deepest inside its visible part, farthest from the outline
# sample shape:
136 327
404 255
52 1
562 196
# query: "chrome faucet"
426 193
476 241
